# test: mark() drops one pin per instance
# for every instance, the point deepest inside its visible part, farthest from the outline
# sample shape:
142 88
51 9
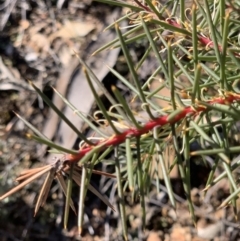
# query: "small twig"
142 6
207 42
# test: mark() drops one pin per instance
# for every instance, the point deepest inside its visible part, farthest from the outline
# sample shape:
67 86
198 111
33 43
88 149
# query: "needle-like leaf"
44 190
24 183
63 186
28 173
68 195
77 179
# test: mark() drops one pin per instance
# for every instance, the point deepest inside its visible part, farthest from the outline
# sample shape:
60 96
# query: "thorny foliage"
189 114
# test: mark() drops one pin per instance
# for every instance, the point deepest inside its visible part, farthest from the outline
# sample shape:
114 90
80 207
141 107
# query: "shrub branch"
172 118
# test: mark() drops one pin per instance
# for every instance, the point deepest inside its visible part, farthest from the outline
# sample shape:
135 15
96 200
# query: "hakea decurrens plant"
204 40
74 165
60 167
160 121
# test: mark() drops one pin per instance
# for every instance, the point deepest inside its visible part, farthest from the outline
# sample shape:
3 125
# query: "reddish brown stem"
146 8
202 39
159 121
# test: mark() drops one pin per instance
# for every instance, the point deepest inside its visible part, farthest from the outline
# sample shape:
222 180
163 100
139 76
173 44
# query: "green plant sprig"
159 121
